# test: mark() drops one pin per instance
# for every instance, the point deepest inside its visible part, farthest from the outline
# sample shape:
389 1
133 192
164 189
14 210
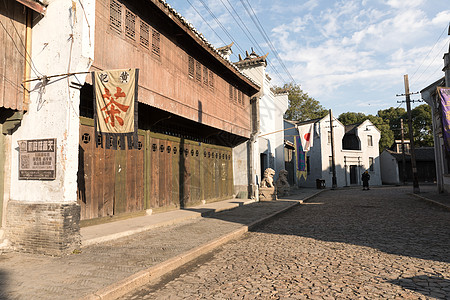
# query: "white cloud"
442 17
342 52
404 4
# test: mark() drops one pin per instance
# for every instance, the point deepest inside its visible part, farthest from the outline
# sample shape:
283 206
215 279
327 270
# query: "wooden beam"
36 6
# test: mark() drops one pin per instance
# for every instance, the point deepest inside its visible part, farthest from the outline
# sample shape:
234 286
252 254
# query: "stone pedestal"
282 184
267 194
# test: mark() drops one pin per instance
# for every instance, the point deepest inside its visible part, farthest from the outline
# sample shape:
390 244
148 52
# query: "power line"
438 54
220 24
428 78
206 22
430 51
251 37
29 60
265 36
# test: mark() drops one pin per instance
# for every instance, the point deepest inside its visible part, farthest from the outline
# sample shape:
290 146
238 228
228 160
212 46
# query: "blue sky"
350 55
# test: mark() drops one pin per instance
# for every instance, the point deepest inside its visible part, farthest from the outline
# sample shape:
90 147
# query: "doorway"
353 174
263 163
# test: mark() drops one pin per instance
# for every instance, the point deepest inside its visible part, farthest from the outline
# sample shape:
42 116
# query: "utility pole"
403 152
416 189
333 165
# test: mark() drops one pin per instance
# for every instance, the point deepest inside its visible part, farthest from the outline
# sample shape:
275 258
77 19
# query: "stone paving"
343 244
29 276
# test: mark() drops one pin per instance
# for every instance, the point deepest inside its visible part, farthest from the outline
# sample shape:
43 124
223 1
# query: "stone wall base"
44 228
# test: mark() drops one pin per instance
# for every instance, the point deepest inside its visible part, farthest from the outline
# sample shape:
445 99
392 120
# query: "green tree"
422 125
301 106
386 133
349 118
392 116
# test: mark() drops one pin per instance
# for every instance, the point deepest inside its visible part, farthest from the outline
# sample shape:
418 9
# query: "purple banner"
444 93
300 158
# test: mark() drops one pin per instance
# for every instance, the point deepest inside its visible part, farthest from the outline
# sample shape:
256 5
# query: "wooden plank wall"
110 181
168 172
183 172
164 80
12 53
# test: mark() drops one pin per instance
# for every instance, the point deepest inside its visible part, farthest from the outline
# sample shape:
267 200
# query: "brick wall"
46 228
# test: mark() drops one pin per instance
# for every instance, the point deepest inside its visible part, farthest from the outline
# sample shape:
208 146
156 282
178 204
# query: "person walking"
365 177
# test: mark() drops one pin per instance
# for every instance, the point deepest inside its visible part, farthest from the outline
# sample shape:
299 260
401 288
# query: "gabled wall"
320 153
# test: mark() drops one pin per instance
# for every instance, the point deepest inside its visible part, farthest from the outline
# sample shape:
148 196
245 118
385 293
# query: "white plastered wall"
320 153
62 42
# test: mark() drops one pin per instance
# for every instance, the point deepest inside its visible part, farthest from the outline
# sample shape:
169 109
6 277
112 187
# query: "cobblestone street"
349 243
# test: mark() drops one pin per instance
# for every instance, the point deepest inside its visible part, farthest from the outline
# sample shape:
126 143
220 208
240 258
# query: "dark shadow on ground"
207 212
388 219
429 285
3 285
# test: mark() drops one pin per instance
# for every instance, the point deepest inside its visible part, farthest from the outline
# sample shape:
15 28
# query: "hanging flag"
116 107
444 94
306 134
300 159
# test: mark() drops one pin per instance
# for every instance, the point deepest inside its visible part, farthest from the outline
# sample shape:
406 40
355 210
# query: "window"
371 164
115 15
211 79
240 98
130 24
144 34
369 141
156 38
198 71
234 95
191 69
329 137
205 75
231 93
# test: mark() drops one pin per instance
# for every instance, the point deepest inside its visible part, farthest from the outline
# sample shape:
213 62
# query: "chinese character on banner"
444 94
115 94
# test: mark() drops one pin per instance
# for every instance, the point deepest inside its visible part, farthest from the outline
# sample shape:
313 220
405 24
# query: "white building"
57 41
355 146
269 146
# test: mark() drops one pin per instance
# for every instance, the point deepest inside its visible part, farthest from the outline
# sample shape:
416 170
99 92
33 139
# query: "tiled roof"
422 154
308 121
202 39
251 59
351 129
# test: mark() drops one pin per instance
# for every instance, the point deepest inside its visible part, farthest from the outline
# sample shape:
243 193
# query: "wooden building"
196 115
194 108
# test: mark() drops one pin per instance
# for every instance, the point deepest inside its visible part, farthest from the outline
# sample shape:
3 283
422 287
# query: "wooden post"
416 188
403 153
333 165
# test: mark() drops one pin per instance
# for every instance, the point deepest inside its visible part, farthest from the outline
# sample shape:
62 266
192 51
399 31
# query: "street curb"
141 278
446 207
119 235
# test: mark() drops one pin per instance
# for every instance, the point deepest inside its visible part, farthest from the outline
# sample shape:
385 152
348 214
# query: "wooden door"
110 181
353 174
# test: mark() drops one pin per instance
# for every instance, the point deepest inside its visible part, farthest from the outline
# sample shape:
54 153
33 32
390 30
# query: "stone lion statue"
282 184
267 181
